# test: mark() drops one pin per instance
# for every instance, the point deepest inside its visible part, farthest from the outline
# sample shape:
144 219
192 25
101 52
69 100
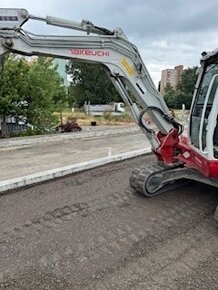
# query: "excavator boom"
120 58
179 156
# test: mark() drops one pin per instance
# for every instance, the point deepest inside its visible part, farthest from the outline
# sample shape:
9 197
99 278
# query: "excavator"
180 154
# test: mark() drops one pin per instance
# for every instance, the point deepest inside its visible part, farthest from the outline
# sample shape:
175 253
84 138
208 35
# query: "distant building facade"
61 69
170 76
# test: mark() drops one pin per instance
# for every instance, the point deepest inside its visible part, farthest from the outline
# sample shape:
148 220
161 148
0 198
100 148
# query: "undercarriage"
154 178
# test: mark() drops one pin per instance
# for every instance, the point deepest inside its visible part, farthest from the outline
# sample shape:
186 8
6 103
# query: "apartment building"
171 76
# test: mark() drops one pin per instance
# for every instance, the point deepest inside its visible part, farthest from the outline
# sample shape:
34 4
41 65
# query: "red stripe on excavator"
208 168
174 149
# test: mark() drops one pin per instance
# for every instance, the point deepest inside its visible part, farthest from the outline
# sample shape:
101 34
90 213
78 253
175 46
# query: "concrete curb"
66 170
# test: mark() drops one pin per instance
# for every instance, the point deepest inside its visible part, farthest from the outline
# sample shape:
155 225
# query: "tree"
188 80
186 87
62 102
13 89
184 92
89 82
31 89
45 90
169 94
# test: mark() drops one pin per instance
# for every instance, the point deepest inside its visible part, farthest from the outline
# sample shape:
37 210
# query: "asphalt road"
91 231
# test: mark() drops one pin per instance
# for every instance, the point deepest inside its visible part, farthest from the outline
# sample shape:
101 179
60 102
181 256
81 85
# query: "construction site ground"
91 231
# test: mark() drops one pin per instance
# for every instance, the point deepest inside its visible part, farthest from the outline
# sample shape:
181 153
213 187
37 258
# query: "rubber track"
140 176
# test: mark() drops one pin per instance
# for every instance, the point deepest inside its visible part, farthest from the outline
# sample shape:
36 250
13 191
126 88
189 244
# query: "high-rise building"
171 76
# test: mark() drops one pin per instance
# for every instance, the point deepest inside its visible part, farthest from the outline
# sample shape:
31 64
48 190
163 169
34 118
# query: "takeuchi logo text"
89 52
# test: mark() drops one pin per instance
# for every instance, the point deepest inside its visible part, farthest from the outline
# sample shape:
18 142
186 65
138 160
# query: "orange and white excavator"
192 155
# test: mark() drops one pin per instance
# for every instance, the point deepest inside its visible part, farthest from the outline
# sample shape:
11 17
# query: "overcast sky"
167 32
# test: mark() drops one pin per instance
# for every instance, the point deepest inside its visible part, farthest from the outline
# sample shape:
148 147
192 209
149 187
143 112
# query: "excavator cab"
203 121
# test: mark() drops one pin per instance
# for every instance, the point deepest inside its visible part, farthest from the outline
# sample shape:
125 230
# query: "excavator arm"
120 58
187 157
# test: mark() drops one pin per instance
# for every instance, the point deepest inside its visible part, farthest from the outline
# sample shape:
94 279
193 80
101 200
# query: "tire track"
64 214
149 268
139 242
119 241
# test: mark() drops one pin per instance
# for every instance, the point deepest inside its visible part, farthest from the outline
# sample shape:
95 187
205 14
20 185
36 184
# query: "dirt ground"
91 231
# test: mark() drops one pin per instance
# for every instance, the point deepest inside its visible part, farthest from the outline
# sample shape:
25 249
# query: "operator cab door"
204 115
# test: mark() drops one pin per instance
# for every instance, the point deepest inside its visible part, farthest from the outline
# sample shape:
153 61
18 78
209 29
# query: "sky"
166 32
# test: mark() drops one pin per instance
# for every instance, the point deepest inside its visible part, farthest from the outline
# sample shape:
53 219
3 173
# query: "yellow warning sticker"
128 67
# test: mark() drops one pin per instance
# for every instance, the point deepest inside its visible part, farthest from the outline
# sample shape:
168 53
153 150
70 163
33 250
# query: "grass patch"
85 120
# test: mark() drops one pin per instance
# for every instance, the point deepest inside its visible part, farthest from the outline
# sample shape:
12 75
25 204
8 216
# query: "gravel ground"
91 231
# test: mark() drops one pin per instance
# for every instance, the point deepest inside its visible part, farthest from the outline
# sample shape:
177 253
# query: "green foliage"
188 80
169 94
44 89
13 85
184 92
91 83
31 89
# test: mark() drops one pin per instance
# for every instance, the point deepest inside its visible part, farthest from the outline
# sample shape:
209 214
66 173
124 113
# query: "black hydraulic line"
106 31
140 88
142 123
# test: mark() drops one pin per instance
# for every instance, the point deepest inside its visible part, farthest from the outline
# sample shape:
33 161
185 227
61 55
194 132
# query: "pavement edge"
23 181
